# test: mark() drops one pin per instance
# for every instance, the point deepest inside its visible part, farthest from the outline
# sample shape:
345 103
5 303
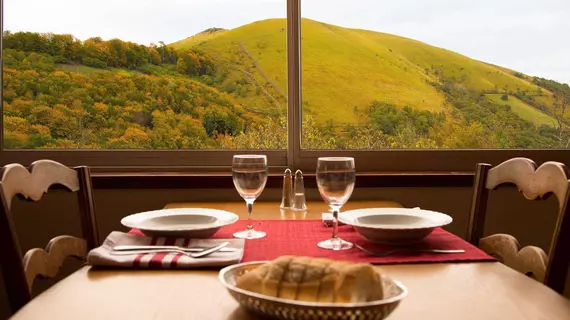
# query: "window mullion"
293 82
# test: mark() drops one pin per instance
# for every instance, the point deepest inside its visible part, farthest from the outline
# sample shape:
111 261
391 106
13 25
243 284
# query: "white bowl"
292 309
180 222
394 225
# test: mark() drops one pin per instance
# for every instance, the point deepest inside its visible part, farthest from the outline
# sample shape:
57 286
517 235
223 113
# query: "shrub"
518 75
95 63
230 87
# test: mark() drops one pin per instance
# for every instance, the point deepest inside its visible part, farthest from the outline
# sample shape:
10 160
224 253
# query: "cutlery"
209 251
199 254
389 252
162 248
128 253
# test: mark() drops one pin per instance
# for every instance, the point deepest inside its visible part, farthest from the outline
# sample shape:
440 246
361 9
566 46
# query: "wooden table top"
446 291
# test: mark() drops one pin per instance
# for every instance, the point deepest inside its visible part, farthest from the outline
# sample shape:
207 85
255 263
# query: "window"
406 85
434 75
169 75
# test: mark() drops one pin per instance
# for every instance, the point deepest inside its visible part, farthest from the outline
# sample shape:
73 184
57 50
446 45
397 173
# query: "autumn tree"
196 63
181 66
154 56
561 103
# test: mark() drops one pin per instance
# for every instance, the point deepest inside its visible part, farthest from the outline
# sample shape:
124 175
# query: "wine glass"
335 179
250 175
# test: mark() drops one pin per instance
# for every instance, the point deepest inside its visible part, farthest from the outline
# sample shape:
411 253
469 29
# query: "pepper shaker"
287 199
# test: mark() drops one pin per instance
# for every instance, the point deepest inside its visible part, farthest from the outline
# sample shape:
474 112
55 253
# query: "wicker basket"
292 309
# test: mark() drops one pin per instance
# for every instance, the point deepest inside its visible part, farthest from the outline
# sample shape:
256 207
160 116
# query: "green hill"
344 70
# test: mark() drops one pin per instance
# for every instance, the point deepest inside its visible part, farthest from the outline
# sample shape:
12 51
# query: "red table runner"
300 237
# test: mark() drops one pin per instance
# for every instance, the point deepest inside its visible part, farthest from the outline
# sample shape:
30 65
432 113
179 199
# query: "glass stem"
335 224
249 209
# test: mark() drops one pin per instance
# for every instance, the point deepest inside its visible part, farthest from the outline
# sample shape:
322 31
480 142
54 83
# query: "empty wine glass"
335 179
250 175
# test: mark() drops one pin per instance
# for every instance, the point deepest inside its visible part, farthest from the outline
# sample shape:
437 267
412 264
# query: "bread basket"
291 309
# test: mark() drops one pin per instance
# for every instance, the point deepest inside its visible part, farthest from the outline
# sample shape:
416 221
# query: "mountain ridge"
392 69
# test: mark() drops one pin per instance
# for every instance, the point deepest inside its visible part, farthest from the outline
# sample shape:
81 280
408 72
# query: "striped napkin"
103 256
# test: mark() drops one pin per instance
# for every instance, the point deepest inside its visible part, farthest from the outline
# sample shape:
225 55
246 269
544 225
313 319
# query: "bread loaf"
314 280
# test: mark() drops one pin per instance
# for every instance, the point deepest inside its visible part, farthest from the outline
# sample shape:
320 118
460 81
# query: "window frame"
383 160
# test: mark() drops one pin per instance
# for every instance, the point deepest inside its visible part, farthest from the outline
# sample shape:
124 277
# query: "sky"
529 36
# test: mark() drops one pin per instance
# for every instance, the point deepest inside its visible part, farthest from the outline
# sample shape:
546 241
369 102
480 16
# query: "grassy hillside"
77 68
344 70
524 110
85 70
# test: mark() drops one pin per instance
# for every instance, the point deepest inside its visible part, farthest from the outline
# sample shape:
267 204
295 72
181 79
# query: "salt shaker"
299 203
287 199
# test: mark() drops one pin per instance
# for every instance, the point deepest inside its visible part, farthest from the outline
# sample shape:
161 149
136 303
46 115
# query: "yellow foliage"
60 74
40 129
16 124
100 108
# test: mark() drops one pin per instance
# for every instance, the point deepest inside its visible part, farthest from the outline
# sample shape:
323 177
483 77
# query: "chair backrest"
20 271
534 183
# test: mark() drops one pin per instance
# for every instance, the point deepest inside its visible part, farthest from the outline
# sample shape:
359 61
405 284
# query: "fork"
200 254
389 252
161 248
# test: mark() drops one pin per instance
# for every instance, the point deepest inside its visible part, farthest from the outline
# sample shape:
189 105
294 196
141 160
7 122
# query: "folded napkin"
103 255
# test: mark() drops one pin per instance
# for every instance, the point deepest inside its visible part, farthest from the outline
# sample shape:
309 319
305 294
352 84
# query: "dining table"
442 291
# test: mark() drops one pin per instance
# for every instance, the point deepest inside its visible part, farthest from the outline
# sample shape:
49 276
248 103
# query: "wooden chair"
19 272
534 183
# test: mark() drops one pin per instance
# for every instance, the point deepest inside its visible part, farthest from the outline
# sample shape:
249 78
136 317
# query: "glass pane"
435 74
145 74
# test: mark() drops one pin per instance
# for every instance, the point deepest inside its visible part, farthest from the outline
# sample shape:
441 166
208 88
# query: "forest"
46 106
60 92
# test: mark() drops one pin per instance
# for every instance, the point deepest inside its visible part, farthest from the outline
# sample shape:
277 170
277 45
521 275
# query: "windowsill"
216 180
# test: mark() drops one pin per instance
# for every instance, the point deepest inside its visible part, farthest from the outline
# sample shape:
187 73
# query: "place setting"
374 235
170 238
182 237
